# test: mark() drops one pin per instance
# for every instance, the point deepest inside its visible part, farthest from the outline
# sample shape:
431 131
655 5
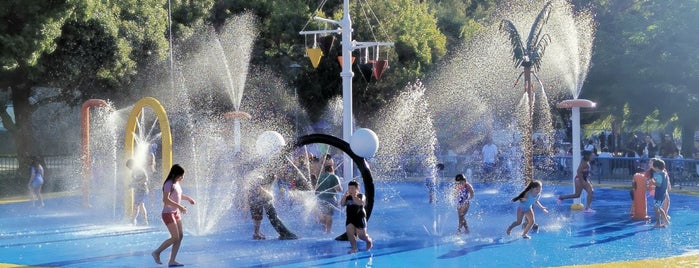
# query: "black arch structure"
358 161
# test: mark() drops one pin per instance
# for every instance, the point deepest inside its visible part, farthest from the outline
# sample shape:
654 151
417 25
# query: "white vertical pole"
169 35
236 135
346 24
575 120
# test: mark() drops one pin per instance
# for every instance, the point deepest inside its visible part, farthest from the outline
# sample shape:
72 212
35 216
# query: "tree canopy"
645 60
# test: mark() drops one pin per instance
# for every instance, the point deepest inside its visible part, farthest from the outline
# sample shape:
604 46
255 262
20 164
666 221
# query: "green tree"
29 31
419 45
646 56
78 48
459 20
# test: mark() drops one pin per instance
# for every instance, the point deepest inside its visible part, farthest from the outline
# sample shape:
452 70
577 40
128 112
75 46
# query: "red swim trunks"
170 217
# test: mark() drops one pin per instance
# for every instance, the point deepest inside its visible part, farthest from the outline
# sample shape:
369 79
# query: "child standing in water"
139 182
527 198
356 216
464 193
172 195
36 180
660 179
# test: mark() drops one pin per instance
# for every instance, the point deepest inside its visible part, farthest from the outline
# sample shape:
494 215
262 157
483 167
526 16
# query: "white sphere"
364 142
269 143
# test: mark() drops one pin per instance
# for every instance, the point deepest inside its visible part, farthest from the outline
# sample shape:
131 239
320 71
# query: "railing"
617 170
58 169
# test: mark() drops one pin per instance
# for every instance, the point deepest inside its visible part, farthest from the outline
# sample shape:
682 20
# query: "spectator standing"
490 156
650 149
668 149
590 147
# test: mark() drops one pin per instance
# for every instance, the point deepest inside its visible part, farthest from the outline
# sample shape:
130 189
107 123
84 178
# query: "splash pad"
565 237
407 230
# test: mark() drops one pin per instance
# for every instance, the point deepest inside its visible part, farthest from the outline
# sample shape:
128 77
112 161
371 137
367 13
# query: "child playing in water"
172 195
356 216
260 199
139 182
660 180
582 182
464 193
36 180
527 198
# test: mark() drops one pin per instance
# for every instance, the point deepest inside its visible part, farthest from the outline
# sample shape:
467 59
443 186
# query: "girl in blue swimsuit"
527 198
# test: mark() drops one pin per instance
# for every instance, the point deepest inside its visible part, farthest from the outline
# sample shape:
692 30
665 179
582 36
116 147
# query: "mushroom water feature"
575 105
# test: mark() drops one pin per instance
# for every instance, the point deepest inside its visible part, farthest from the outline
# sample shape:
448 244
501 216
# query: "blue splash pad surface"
407 232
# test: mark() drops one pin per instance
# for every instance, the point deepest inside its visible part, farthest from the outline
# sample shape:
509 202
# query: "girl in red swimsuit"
582 181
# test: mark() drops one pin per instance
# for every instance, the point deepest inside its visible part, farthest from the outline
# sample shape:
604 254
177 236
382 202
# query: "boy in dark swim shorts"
356 216
260 199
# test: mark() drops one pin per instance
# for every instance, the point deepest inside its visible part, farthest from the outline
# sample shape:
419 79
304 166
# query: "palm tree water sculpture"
528 56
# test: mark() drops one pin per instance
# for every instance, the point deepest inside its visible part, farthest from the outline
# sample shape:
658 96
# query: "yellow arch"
166 142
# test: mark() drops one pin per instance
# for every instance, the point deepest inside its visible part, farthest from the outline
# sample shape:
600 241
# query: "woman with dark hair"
36 180
527 198
172 195
582 181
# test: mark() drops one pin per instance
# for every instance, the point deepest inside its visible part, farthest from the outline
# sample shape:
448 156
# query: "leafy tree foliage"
460 19
646 56
78 48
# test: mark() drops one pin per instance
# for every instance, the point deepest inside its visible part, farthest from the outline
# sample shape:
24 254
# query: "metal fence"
617 170
57 170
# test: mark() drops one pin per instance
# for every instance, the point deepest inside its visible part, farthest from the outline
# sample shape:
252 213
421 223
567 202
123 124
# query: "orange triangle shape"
339 59
314 54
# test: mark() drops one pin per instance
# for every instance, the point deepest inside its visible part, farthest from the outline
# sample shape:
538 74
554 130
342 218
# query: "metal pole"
575 120
296 115
295 68
172 62
346 74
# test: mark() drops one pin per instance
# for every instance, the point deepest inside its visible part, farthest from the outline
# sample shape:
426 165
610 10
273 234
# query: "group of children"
354 200
463 193
656 178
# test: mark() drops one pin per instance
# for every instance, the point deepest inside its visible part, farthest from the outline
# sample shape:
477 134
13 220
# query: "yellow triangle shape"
314 54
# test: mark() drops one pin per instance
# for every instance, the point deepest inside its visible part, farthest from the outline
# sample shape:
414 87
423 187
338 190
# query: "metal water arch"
166 143
359 161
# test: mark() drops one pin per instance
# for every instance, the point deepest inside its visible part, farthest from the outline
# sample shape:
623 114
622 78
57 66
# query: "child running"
582 182
172 194
464 193
356 216
527 198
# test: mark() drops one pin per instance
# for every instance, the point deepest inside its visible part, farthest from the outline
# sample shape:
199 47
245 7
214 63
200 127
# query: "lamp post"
348 45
